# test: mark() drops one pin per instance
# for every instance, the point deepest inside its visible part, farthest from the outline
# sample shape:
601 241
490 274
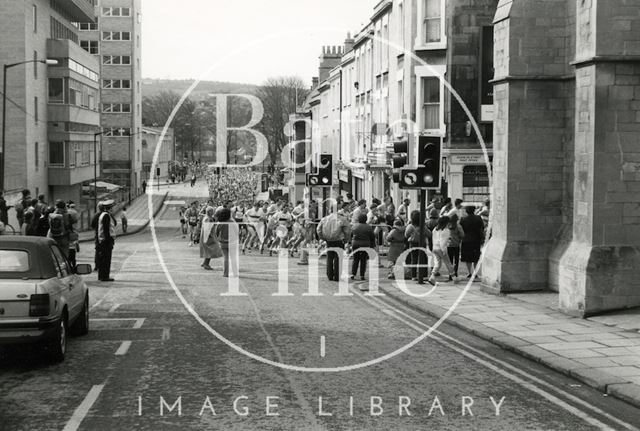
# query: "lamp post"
95 165
48 62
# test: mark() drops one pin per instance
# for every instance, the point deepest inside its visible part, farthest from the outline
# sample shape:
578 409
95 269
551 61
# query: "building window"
402 25
61 31
116 35
82 70
56 90
35 109
56 154
116 11
116 83
35 64
117 132
34 11
37 155
87 26
432 28
401 110
115 60
431 103
116 108
91 46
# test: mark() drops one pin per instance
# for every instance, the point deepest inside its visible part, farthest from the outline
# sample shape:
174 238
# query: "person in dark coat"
106 241
4 210
473 227
362 236
94 226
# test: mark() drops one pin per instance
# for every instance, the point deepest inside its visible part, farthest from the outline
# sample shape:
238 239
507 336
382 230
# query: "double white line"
514 374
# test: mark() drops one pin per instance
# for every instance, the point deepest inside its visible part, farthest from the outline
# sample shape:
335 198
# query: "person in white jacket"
440 237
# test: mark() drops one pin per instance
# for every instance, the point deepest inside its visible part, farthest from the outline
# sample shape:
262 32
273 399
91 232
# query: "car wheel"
81 325
58 345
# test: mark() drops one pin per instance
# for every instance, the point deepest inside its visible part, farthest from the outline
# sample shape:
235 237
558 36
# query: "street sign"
421 178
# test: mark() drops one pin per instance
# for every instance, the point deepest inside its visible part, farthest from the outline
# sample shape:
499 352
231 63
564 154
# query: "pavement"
137 215
602 352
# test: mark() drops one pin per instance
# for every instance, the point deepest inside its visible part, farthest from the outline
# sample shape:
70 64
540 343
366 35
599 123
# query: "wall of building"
122 156
150 139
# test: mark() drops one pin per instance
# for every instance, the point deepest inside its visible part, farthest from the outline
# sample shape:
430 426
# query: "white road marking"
124 348
322 346
81 412
139 323
100 301
165 334
114 308
387 309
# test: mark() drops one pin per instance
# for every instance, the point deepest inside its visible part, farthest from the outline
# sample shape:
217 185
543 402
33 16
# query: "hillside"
152 87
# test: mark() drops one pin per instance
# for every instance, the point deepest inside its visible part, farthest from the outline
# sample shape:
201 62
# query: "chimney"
330 58
314 82
348 43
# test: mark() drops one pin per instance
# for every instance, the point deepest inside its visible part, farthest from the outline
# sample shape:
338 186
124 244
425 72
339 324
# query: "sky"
244 41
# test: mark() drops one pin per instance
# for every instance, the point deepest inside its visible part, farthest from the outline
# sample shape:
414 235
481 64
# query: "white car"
41 298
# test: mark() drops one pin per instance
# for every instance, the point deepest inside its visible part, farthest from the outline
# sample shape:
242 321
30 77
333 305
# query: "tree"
280 97
157 110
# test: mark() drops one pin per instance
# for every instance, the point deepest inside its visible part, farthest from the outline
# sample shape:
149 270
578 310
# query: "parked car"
41 299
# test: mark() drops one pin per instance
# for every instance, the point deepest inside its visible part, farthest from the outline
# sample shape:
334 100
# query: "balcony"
61 176
71 113
78 10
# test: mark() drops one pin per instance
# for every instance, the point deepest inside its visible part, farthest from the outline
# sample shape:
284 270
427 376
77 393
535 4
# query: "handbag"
216 250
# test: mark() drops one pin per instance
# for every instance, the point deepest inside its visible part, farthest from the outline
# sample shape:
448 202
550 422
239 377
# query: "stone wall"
567 159
532 103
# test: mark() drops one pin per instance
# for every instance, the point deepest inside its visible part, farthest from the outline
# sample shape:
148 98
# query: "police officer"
106 240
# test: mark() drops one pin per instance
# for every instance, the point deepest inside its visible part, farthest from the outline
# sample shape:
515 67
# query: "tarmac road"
148 363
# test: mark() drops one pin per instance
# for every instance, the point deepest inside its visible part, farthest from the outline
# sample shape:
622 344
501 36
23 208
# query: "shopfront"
468 177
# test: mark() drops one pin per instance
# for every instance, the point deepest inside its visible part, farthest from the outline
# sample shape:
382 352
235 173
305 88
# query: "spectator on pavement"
474 236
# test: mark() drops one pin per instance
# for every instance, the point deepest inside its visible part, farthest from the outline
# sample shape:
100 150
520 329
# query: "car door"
73 292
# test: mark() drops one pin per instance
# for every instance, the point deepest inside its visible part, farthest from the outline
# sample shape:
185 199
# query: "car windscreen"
14 261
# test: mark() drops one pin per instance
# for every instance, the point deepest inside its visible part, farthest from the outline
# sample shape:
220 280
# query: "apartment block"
52 110
115 40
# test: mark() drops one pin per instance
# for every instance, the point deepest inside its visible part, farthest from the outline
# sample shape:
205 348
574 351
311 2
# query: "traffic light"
430 159
265 183
324 177
400 154
427 175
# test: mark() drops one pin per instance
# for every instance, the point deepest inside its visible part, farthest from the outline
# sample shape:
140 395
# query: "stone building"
387 86
566 212
52 111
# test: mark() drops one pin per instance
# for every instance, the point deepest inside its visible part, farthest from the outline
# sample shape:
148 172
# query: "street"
148 363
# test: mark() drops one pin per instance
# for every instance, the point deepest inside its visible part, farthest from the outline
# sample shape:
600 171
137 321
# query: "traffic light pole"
422 255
